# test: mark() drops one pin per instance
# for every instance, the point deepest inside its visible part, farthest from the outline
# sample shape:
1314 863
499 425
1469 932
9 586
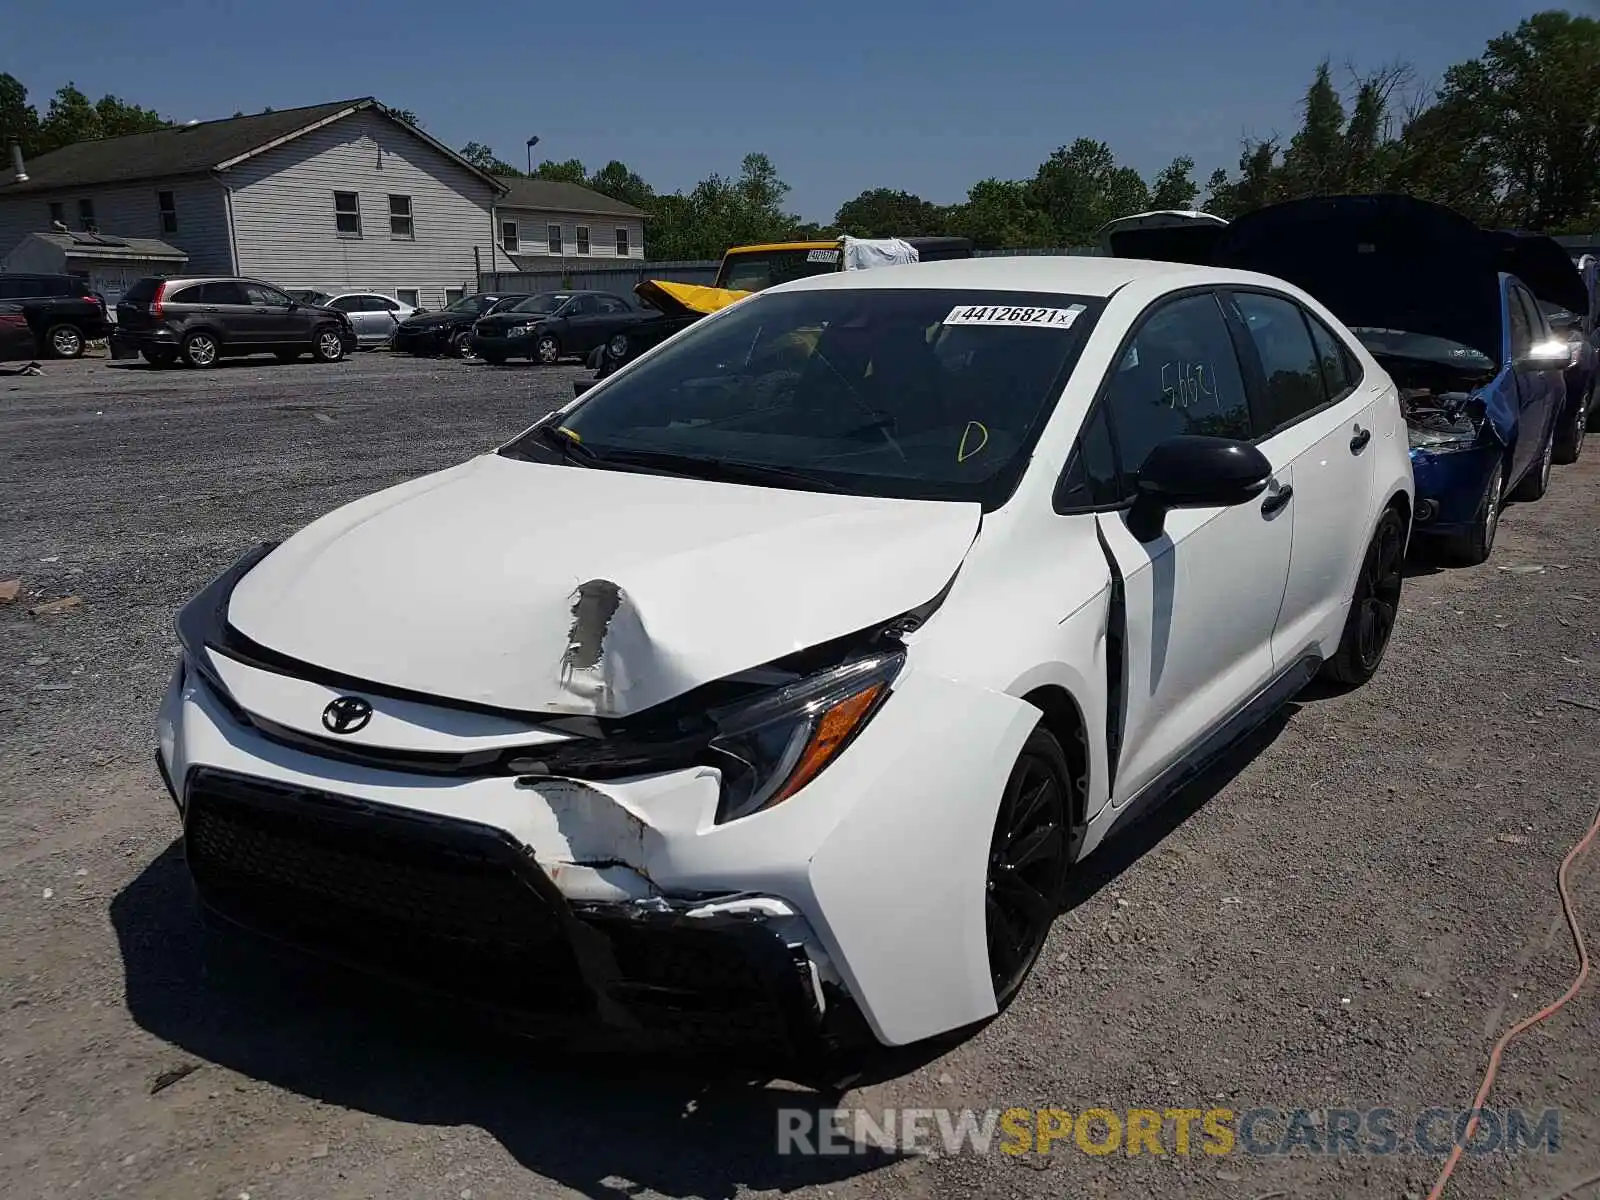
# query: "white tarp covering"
862 254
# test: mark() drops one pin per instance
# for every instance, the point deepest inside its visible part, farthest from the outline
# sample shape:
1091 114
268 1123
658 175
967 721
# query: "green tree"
485 159
1000 214
18 121
885 212
617 181
1313 163
1174 185
571 171
406 115
1080 187
1528 105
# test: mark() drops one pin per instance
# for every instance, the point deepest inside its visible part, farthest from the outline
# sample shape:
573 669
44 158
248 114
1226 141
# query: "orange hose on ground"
1527 1023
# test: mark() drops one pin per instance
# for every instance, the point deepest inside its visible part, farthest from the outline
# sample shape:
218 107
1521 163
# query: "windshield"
469 304
758 270
545 302
919 394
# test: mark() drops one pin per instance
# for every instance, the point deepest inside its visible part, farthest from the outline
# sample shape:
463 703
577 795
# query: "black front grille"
445 904
462 909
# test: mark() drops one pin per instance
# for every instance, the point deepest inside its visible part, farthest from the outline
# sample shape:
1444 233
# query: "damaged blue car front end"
1461 413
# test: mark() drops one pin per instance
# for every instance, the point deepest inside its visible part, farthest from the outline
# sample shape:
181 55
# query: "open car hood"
552 589
1541 263
1382 261
685 299
1166 235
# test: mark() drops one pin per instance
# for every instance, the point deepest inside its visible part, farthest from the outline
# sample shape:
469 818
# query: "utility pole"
532 142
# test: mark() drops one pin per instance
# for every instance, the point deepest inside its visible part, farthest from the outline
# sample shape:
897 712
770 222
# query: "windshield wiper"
734 470
566 445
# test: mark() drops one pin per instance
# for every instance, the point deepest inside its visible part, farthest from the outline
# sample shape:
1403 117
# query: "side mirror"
1191 471
580 386
1545 356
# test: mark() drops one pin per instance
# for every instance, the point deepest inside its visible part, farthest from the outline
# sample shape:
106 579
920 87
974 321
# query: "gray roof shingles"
552 196
162 153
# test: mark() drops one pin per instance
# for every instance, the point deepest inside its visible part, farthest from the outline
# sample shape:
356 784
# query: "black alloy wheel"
1029 855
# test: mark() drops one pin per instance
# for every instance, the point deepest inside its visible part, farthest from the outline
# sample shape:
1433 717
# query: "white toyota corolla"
773 687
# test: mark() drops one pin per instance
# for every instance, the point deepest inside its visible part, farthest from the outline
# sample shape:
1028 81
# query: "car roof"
1068 274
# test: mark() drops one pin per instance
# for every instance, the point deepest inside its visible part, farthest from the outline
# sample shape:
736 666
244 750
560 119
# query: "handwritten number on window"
1184 384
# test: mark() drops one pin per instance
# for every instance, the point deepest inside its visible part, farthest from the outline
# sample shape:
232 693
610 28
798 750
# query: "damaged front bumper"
853 911
460 909
1450 486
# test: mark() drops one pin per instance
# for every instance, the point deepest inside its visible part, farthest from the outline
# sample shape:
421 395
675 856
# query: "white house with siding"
338 197
537 221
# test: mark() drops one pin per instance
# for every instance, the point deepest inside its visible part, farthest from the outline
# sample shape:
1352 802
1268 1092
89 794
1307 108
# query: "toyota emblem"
347 714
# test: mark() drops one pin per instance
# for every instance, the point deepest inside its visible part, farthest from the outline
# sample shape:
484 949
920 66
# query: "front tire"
201 349
461 344
327 346
1570 444
1474 546
1537 481
1374 606
548 351
1029 855
64 340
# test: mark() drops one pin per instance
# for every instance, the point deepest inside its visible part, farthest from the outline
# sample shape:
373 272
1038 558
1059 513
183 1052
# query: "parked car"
1566 302
16 338
746 270
449 331
203 320
1426 291
789 673
375 316
62 311
550 326
1170 235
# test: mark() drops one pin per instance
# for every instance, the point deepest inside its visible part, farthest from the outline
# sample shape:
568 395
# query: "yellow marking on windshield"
962 453
569 432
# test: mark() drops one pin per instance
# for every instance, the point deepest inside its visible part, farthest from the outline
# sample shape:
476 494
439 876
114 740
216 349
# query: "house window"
451 295
58 213
583 239
622 243
86 215
554 239
508 236
347 214
169 212
400 217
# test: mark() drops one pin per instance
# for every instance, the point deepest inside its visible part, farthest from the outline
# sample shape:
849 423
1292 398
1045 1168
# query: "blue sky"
877 93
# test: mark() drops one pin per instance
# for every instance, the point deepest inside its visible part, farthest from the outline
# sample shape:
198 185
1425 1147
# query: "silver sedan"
374 316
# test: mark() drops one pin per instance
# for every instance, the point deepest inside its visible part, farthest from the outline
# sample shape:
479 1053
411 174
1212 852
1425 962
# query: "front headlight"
771 748
520 331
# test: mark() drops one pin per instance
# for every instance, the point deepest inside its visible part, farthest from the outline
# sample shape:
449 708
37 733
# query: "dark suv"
203 320
61 310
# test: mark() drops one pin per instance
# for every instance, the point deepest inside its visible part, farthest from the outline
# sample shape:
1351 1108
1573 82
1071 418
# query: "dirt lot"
1345 916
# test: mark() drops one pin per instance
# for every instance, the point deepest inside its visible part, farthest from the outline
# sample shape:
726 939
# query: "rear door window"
1340 374
222 291
1289 361
1179 375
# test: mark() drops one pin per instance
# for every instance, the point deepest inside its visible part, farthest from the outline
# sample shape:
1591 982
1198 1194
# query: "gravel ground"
1344 915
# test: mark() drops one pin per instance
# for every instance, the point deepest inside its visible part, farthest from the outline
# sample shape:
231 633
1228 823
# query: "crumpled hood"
434 320
544 588
507 320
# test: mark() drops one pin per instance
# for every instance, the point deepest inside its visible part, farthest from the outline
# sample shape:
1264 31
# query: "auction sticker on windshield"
1000 314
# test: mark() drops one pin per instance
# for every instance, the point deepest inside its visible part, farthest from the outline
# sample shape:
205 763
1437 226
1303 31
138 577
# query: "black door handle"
1359 442
1276 501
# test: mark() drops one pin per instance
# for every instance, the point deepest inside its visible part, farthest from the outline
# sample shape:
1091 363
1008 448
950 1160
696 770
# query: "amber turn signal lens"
829 736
